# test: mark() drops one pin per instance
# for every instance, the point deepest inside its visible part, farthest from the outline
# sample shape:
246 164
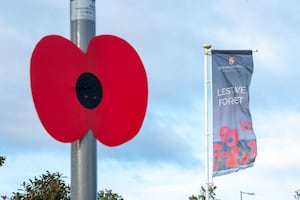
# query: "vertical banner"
234 142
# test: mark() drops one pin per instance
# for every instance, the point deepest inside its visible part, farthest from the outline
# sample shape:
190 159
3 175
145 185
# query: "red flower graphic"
253 150
232 160
229 136
104 89
217 153
246 125
253 147
217 148
245 158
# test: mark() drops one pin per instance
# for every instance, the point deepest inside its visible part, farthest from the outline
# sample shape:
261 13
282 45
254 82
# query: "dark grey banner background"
232 124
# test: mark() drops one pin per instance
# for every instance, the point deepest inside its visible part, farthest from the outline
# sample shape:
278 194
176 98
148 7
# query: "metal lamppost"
83 151
249 193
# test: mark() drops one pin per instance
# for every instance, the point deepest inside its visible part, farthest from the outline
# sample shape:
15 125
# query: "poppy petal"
125 91
56 63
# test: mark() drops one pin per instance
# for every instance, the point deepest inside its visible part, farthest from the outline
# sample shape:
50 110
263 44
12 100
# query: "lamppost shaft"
83 151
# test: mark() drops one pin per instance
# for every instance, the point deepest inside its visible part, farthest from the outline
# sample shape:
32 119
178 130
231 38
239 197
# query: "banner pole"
83 151
206 118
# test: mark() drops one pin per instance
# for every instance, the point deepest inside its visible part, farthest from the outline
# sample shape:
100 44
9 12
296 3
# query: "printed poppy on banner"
246 125
229 136
217 148
217 152
103 89
253 149
244 158
232 160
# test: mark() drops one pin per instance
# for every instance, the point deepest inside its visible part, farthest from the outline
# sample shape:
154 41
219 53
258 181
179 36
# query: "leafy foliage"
2 159
108 195
51 186
48 186
202 196
297 194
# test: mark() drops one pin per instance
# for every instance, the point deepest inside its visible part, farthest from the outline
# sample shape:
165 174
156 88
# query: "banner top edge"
243 52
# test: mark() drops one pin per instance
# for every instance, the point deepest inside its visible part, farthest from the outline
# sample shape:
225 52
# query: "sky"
166 159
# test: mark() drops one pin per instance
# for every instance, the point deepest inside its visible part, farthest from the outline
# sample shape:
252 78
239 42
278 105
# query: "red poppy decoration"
229 136
232 160
217 150
104 90
217 153
246 125
253 147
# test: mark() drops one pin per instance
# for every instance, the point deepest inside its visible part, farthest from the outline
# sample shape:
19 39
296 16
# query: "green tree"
49 186
2 159
297 194
108 195
202 196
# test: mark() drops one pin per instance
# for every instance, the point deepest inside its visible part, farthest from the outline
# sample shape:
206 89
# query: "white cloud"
150 182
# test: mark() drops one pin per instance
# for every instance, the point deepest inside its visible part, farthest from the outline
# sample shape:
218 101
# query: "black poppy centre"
88 90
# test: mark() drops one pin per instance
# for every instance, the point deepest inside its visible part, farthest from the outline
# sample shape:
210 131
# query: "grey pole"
206 117
83 151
